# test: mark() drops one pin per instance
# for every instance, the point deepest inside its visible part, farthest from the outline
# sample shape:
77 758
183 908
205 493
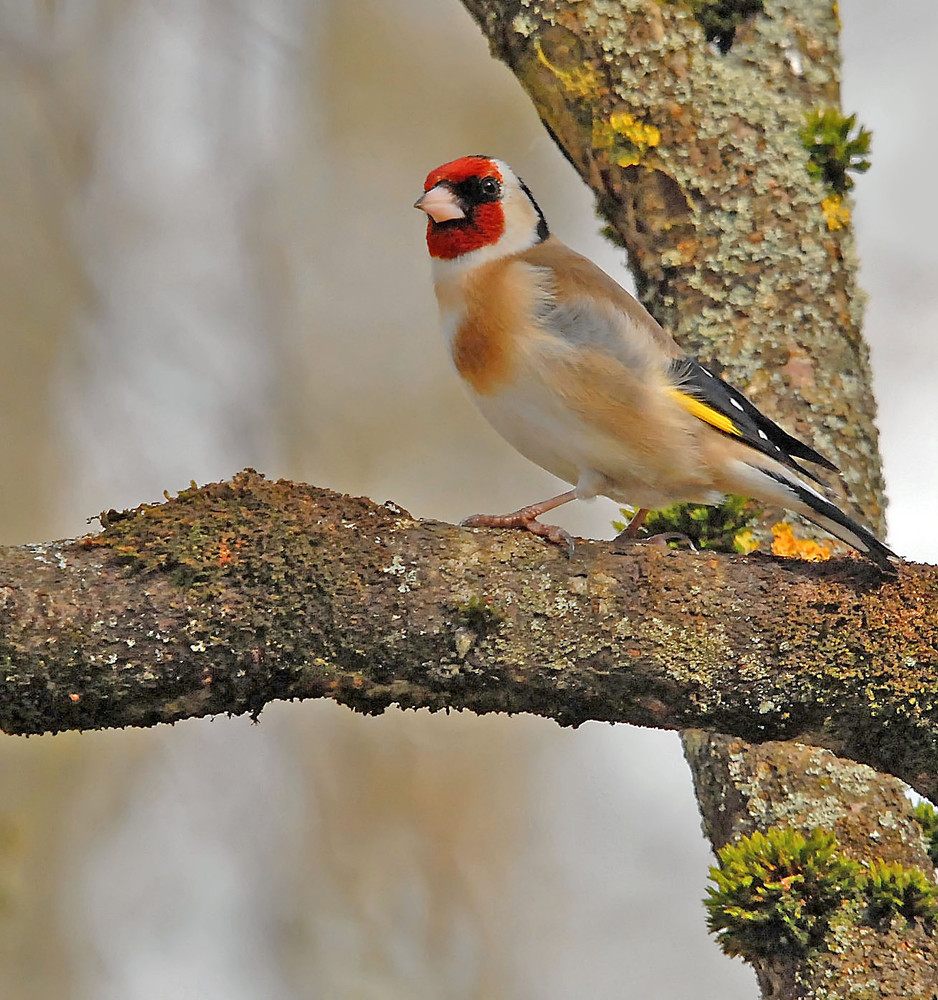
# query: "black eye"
489 187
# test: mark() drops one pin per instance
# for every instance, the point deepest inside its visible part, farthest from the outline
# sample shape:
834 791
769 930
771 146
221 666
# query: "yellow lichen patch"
836 213
745 542
580 81
786 545
627 138
637 132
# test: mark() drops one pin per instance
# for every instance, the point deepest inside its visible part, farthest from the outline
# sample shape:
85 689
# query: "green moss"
893 889
836 146
779 891
925 813
725 527
477 614
613 236
720 18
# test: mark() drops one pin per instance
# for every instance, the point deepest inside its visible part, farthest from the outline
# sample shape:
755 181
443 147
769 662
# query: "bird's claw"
662 539
553 533
523 519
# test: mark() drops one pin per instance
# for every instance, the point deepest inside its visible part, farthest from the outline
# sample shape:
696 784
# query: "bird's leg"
527 517
632 528
630 532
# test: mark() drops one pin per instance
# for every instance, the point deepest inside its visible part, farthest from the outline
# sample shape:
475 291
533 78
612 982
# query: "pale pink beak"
440 204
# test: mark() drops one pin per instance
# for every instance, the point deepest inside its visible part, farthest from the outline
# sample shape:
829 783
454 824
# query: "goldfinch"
573 372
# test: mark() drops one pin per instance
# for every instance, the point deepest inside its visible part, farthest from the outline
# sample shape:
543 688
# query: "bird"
576 374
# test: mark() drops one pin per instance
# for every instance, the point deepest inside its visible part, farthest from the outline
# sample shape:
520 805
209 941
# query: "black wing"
743 419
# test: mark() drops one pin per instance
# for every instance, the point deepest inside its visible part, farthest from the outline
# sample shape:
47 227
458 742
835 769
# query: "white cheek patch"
450 321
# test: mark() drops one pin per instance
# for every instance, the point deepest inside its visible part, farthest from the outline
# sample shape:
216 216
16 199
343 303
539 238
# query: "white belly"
531 419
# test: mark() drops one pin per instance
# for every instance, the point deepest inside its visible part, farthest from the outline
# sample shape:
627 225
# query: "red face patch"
484 223
482 228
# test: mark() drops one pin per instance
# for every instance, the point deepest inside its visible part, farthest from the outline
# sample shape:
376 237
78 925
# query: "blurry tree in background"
209 260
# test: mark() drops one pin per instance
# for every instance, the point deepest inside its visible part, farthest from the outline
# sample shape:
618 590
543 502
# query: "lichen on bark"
236 593
738 249
724 225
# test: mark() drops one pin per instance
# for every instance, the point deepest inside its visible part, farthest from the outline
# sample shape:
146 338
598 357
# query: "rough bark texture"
699 168
742 788
237 593
724 226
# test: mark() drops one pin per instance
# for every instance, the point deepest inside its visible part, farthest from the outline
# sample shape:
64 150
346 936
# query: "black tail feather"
832 519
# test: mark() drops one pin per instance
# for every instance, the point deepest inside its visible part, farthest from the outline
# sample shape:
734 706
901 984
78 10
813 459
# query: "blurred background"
209 259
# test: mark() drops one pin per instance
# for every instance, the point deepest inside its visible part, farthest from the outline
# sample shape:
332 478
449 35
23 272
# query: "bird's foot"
525 518
662 539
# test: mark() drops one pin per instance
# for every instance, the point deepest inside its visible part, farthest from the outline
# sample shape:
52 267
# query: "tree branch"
698 157
236 594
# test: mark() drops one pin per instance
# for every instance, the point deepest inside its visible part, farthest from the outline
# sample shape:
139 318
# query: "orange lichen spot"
227 555
73 697
688 250
785 544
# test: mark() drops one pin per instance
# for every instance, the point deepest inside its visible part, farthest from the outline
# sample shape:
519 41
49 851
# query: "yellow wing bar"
706 413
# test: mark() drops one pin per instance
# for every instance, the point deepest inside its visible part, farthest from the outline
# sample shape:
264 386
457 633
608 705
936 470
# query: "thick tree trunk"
695 154
725 229
239 593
